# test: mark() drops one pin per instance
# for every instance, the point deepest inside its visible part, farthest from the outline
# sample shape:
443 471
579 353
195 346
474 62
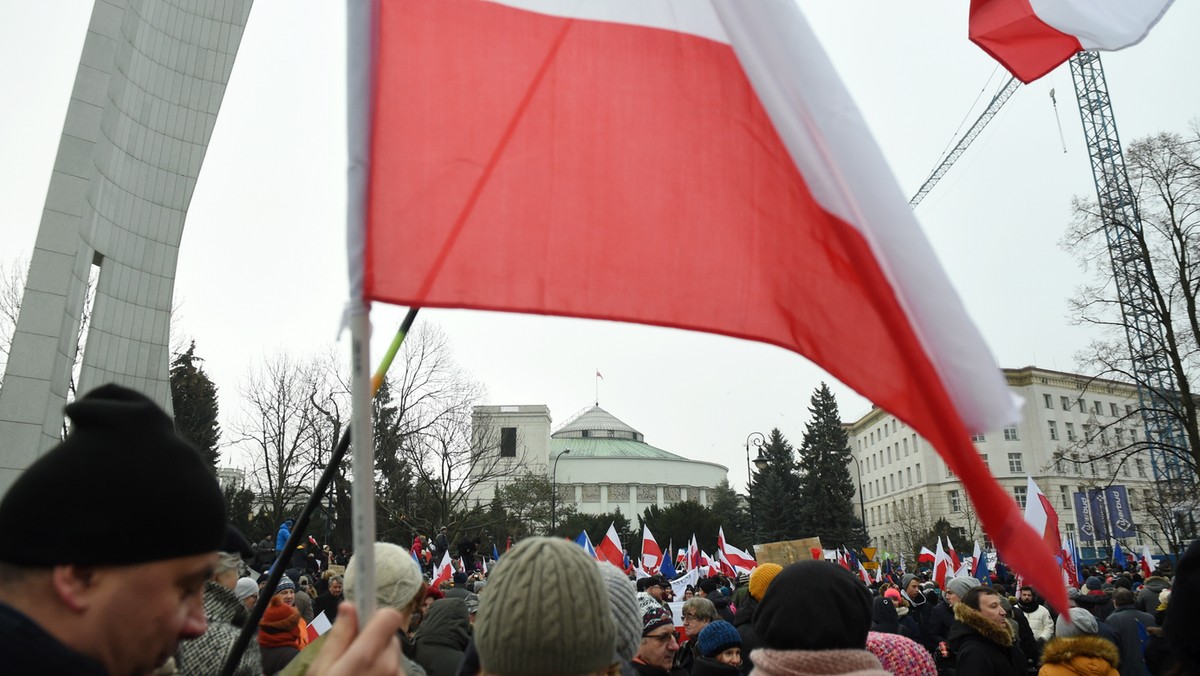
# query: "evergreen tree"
194 398
596 526
727 506
775 493
827 508
677 524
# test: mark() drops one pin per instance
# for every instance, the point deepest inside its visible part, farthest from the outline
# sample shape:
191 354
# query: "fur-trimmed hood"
974 620
1065 649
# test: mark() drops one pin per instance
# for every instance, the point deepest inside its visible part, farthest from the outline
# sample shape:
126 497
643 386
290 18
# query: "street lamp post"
862 505
554 489
761 463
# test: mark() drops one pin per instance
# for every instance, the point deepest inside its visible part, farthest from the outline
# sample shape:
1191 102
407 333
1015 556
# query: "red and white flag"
694 555
651 553
610 550
444 571
1040 514
863 574
927 556
1033 37
942 566
954 560
1147 562
495 145
739 560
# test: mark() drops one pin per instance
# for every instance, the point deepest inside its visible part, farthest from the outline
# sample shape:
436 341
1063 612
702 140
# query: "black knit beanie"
814 605
123 488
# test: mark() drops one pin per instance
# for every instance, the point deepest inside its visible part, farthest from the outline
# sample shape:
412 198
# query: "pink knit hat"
901 656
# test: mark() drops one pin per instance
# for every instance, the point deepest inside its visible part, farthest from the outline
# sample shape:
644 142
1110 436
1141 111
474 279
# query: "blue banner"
1120 517
1084 518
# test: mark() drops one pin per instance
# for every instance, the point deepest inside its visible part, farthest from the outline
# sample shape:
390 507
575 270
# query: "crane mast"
1132 272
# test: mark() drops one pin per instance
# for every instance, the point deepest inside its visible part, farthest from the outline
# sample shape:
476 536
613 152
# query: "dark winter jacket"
443 636
743 620
1131 625
710 667
328 604
921 610
1147 597
982 647
940 621
721 603
28 649
883 616
206 653
274 660
1098 603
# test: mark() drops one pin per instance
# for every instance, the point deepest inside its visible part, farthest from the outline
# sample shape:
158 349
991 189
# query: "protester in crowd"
720 648
920 610
1131 625
328 602
901 656
884 619
741 591
1160 611
1147 596
656 651
1021 632
1095 599
1176 650
981 639
399 587
279 635
743 620
941 619
689 592
226 615
282 535
546 612
304 598
459 589
1078 649
711 589
1038 616
246 592
814 619
698 612
626 618
442 640
285 592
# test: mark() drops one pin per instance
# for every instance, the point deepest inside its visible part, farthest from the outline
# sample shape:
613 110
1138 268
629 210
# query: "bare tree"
281 429
1164 172
12 287
910 526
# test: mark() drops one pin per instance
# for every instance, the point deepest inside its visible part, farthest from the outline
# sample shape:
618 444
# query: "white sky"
262 265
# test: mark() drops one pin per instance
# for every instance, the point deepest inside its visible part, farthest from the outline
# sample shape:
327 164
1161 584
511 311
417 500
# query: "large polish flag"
1033 37
651 553
610 550
670 162
1040 514
444 571
737 559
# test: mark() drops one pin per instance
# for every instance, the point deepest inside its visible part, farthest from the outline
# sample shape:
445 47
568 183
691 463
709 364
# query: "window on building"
508 442
1128 409
977 437
1066 403
1015 465
1019 494
872 437
1059 465
893 476
1098 407
1087 433
1071 530
984 457
1125 469
949 472
1078 469
1010 434
919 477
1120 435
889 454
1053 430
1082 405
1148 496
955 502
905 443
909 472
1112 408
1141 468
1049 400
1070 431
1064 494
893 425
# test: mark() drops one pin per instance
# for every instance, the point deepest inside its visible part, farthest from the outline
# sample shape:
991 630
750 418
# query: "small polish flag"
609 548
444 571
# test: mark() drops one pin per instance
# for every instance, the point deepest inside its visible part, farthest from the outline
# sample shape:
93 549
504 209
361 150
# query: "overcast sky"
262 264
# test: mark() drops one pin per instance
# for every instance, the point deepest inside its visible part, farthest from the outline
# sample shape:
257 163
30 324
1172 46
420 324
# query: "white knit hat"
397 577
245 589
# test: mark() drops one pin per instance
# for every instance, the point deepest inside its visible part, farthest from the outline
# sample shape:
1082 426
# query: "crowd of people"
93 596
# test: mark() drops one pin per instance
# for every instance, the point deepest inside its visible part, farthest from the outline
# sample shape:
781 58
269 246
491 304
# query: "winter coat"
304 604
28 649
206 653
1098 603
940 621
1040 622
1147 597
982 647
281 537
743 621
328 604
709 667
1131 625
442 639
274 660
921 610
1080 656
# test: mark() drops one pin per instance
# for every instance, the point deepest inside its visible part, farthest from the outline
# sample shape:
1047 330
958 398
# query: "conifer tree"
826 490
775 493
194 398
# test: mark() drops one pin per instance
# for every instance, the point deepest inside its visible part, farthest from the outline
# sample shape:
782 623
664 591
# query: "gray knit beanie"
397 577
961 585
546 612
1083 623
627 619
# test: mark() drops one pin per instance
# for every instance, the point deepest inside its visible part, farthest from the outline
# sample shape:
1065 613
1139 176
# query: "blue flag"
667 569
586 543
981 569
1118 555
1001 570
495 552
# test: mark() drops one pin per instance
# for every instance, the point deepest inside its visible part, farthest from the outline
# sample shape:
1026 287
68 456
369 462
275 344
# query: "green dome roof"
596 433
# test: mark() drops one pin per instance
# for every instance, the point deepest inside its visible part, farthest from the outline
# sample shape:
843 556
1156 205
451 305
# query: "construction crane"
1133 275
959 148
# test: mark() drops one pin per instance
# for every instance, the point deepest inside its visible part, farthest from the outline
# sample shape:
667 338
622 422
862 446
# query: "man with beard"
1040 622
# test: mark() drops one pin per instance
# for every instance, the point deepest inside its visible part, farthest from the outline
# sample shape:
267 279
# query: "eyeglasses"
662 638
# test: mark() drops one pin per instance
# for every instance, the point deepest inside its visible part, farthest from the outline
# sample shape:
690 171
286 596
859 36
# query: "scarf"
768 662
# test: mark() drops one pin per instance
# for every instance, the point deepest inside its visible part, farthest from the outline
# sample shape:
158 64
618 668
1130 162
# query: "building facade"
603 464
1072 438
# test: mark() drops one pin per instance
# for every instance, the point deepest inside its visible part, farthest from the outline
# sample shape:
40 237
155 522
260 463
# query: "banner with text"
1120 516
